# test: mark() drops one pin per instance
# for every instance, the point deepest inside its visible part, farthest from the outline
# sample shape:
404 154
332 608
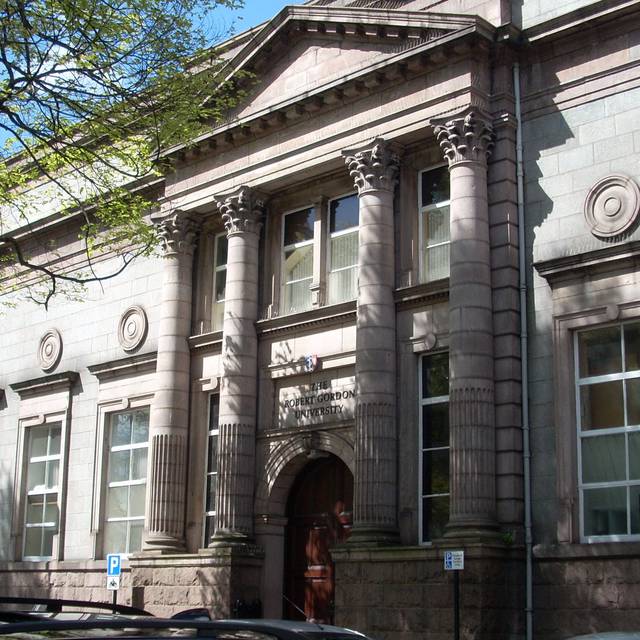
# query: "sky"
253 13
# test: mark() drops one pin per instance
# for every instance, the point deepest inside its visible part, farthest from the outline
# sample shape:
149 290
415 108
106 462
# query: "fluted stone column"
242 215
374 170
169 418
466 142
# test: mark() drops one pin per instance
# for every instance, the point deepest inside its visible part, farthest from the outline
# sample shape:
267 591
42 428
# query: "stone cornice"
133 365
414 60
590 262
591 16
209 341
324 316
46 384
421 294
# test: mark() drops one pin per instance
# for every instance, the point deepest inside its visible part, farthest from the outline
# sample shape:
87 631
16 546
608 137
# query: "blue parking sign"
113 564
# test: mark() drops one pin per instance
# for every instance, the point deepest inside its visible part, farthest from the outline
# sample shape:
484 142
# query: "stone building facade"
396 313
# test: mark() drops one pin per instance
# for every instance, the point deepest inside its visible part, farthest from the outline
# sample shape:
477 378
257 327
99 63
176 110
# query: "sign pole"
454 561
114 602
456 605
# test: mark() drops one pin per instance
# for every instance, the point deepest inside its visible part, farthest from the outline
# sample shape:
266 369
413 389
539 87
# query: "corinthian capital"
179 233
242 211
374 167
468 137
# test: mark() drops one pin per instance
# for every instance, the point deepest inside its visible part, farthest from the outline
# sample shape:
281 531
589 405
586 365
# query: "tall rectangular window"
42 491
298 259
434 445
343 249
212 469
435 234
608 411
219 280
128 444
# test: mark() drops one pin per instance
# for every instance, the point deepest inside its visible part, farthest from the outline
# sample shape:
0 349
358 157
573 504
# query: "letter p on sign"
113 564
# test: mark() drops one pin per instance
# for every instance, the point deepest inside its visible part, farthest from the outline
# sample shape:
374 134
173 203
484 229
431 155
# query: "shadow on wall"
6 504
566 152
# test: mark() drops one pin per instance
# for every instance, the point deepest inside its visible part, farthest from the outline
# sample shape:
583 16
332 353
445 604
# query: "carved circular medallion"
612 206
50 350
132 328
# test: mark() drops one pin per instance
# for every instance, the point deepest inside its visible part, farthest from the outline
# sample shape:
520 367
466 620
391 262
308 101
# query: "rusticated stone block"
186 576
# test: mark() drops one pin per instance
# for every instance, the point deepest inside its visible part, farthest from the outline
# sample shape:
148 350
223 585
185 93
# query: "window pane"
136 500
51 510
209 526
633 402
221 285
138 464
212 457
33 542
38 442
221 250
344 213
214 412
218 316
436 226
436 263
435 186
632 346
121 429
603 459
211 492
605 511
344 251
119 466
435 515
297 296
298 227
140 432
117 502
115 537
135 537
47 541
435 375
634 456
52 473
36 475
35 510
299 263
635 508
601 405
600 352
435 472
342 285
54 442
435 425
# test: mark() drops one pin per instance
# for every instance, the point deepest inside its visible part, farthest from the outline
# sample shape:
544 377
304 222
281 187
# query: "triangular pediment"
305 48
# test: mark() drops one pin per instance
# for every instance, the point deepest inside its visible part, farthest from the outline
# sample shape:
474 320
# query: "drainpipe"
524 364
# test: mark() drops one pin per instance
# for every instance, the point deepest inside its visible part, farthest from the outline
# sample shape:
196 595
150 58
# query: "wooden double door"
319 513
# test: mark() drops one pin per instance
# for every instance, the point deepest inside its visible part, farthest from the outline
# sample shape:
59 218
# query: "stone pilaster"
169 417
466 142
242 215
374 171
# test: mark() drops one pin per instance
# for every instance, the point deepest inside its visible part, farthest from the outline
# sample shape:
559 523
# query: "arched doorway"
319 516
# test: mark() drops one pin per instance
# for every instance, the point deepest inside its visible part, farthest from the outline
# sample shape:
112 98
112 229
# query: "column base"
230 539
472 530
163 545
368 536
